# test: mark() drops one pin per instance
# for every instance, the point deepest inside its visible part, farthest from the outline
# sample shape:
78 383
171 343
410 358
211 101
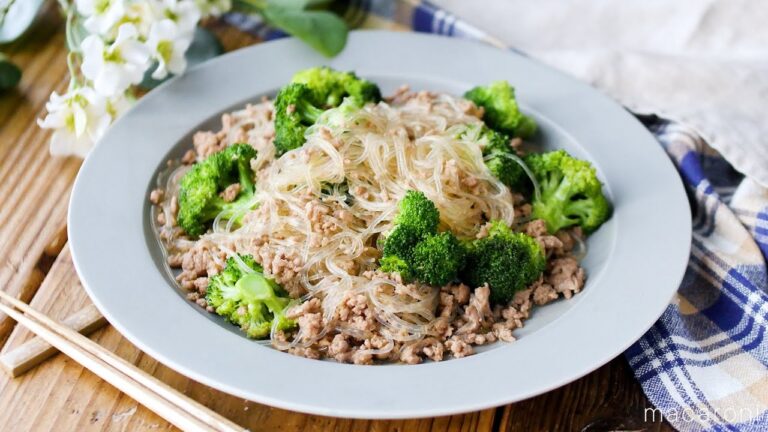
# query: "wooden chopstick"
181 411
26 356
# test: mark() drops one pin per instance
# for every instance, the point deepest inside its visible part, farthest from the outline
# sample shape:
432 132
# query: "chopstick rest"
34 351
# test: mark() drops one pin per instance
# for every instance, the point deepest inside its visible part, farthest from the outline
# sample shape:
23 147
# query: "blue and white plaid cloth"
704 364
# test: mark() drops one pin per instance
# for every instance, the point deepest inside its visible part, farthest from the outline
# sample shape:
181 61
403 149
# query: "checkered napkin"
704 364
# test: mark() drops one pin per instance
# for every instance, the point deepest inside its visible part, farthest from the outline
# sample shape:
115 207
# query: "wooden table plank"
35 187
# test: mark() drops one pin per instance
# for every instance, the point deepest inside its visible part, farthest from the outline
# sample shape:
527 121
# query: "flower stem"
72 44
74 82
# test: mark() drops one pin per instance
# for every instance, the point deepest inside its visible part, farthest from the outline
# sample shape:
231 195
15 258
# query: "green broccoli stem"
553 204
308 112
245 176
552 214
259 289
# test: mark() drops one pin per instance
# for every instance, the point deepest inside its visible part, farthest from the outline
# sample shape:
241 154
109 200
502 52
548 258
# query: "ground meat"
201 284
523 211
343 350
566 276
189 157
230 192
323 222
543 292
460 292
340 346
470 108
310 306
503 333
281 263
429 347
174 260
200 261
207 143
442 327
156 196
538 229
483 232
310 324
447 306
401 95
568 237
517 146
362 357
309 353
458 347
308 317
478 312
451 174
355 313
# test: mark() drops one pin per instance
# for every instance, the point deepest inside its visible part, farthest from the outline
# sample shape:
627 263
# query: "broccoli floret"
416 220
507 261
396 264
401 241
312 91
437 259
499 156
199 200
245 297
417 211
570 192
415 250
294 113
330 87
363 91
501 110
337 117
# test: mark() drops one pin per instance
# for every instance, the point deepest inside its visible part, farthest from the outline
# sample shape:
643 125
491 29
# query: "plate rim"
74 226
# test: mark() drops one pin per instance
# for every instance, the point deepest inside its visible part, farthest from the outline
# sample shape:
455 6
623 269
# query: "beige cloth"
700 62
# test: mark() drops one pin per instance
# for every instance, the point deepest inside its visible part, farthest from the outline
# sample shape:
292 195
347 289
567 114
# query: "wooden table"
37 267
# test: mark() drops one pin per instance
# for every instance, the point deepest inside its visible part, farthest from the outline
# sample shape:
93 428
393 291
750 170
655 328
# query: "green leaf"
16 17
289 4
10 74
321 30
204 47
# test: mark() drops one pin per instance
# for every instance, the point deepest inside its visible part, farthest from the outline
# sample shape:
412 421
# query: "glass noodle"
380 151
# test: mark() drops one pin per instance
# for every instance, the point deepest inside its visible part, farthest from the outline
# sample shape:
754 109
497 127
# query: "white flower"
141 14
185 13
115 67
101 15
79 118
117 105
214 7
168 45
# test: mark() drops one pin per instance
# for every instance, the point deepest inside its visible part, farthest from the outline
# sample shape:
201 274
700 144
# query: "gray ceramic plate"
635 261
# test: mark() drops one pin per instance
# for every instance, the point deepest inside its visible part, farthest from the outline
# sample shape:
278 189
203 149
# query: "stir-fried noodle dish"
332 222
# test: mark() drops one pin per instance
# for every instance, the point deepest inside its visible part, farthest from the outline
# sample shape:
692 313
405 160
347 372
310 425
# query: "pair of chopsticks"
181 411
